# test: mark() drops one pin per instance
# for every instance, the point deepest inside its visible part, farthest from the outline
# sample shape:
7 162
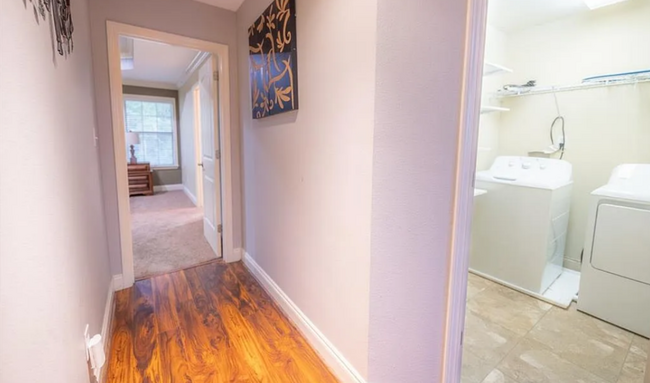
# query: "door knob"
200 164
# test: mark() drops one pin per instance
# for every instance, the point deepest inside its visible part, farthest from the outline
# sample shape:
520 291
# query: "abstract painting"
273 60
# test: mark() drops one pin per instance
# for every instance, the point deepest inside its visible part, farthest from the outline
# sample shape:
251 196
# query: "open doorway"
559 270
171 133
169 102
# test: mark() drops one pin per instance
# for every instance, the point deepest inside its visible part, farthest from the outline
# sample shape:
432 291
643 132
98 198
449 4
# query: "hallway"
212 323
167 234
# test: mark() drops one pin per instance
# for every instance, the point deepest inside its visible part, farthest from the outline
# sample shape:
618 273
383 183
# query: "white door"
210 163
198 157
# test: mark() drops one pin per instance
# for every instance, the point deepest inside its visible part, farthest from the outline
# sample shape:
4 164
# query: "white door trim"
464 195
114 30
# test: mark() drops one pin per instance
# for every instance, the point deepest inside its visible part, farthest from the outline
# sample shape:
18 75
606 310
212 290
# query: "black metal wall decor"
273 60
62 20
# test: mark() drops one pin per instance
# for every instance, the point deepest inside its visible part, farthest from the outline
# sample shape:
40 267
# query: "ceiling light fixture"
594 4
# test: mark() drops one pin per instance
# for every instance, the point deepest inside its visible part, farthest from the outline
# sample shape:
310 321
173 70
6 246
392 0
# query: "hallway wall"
420 61
54 267
182 17
349 201
307 173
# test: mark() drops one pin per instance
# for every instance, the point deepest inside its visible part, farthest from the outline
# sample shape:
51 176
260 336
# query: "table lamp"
131 140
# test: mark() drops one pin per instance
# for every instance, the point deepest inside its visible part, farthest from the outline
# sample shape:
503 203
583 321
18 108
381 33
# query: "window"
154 118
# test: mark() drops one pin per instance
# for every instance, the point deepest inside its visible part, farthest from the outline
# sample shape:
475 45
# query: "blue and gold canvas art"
273 60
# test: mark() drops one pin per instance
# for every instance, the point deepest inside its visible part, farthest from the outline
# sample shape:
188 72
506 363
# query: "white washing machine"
520 225
615 280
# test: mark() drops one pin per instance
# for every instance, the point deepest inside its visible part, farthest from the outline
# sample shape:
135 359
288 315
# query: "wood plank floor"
210 324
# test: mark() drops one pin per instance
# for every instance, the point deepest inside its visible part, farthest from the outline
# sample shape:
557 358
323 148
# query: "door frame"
221 52
463 204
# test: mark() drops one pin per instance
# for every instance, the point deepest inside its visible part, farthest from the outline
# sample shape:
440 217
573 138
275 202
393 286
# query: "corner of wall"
341 367
107 324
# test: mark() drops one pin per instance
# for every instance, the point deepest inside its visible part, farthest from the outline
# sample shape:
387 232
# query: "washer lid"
629 182
543 173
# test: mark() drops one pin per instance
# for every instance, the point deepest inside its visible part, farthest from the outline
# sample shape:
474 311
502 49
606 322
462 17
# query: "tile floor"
513 338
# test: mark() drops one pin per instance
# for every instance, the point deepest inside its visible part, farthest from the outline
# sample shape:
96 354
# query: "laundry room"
559 282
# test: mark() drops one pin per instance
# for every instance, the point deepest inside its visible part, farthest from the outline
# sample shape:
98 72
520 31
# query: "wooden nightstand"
140 179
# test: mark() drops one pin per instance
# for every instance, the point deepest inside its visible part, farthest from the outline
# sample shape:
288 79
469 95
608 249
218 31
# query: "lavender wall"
54 268
384 84
307 173
420 54
182 17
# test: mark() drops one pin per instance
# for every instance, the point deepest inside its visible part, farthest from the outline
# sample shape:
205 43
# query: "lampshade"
132 138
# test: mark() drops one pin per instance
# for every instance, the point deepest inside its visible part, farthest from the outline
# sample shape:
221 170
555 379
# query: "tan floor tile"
496 376
508 308
640 346
615 335
633 369
474 368
532 362
585 341
476 284
488 340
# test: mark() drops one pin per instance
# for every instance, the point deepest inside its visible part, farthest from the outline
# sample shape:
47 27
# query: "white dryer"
615 280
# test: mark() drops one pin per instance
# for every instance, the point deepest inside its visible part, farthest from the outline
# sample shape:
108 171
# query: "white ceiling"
512 15
158 65
231 5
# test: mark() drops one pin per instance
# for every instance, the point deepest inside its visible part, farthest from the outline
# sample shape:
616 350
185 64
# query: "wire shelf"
588 83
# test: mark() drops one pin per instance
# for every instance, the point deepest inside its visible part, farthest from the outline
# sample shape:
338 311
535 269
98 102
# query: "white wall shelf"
491 69
491 109
567 88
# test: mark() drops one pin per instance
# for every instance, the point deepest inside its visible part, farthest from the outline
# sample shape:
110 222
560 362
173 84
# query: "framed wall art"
273 60
62 20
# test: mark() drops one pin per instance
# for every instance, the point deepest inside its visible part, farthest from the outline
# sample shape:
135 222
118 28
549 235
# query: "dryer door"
621 243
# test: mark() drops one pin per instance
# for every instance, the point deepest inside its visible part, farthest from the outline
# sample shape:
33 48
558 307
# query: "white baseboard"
572 264
191 196
106 327
332 357
118 282
238 253
167 188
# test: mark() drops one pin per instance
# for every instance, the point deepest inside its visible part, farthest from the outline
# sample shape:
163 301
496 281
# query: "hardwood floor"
210 324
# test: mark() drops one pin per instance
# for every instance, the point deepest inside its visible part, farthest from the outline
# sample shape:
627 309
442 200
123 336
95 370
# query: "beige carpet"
167 234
